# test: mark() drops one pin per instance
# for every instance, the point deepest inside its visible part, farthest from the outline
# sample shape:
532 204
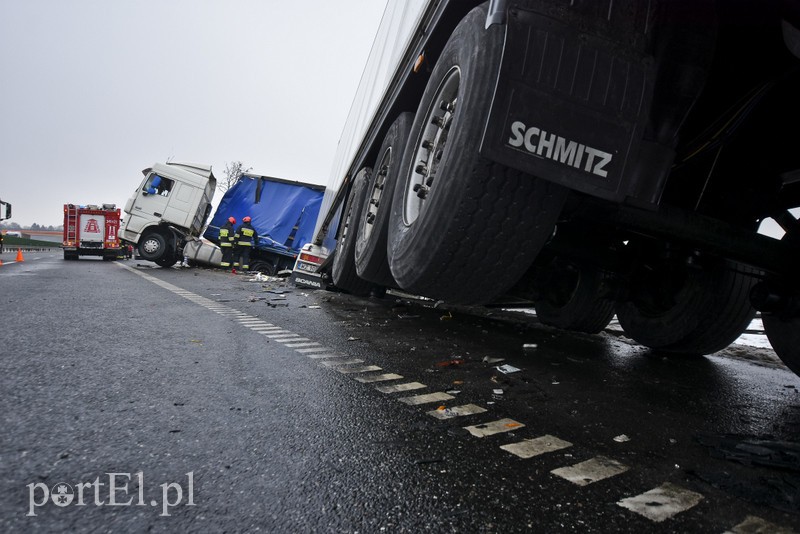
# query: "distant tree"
35 226
233 172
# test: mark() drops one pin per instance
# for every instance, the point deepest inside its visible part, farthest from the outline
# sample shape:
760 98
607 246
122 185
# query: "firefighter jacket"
226 235
246 235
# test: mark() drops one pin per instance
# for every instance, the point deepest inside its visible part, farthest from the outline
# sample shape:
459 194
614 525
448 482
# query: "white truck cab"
171 205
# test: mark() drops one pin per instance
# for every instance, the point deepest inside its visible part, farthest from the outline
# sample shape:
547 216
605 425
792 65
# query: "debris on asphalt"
487 359
353 339
530 346
407 316
508 369
622 438
497 391
314 307
446 317
453 391
455 361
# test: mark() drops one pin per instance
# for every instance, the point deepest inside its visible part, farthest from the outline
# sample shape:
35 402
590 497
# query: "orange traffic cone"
19 255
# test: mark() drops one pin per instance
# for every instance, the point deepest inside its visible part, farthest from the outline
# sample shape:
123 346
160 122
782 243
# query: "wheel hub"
431 145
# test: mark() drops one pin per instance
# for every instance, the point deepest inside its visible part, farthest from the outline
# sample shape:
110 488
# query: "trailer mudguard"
572 104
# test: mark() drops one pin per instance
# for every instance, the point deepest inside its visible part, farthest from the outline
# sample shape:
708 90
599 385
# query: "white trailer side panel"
394 34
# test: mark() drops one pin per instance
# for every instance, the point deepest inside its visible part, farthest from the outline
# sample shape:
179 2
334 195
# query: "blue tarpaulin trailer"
283 212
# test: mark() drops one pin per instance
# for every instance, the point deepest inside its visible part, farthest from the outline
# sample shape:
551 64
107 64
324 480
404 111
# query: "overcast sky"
94 91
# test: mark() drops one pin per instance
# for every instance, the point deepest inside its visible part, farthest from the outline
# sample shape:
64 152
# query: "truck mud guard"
572 105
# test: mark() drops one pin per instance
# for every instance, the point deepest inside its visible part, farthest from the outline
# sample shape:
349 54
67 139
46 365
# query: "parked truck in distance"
283 213
170 206
593 157
91 230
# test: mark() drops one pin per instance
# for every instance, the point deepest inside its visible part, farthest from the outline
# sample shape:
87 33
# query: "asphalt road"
215 403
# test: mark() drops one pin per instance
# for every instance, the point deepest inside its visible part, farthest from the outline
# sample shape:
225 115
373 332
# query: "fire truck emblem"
92 226
62 494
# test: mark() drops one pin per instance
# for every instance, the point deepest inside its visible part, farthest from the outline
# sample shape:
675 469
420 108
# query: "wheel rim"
431 145
150 246
374 200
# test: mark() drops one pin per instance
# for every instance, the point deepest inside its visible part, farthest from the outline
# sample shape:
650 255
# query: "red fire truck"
91 231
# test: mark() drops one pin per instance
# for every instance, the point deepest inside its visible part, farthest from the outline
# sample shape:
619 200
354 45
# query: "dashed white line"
427 398
756 525
320 356
377 378
662 502
457 411
495 427
396 388
310 350
536 446
342 362
590 471
358 369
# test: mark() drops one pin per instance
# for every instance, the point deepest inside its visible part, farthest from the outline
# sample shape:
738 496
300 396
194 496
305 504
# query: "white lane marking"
289 339
341 362
457 411
590 471
309 350
276 334
320 356
534 447
396 388
427 398
377 378
294 345
662 502
358 369
756 525
495 427
265 327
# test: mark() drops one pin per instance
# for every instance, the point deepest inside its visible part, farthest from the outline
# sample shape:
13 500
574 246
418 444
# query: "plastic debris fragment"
507 369
455 361
622 438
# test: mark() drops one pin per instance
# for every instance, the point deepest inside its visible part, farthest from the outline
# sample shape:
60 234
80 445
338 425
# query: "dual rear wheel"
446 227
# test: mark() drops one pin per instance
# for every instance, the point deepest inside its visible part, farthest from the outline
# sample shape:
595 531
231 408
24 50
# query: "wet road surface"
299 411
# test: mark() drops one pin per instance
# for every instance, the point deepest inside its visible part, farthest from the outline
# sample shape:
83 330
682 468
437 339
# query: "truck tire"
167 261
343 269
708 309
263 267
784 336
577 301
152 246
462 228
370 248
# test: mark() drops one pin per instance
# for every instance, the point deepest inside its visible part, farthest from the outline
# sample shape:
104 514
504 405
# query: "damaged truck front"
595 157
170 206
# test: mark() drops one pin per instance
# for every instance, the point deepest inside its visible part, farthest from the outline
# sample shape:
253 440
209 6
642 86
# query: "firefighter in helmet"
246 238
226 233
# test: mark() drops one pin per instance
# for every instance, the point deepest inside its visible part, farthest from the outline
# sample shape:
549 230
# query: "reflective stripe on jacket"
245 236
225 235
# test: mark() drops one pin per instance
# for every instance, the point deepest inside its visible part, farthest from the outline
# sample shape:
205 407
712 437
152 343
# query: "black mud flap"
308 280
571 107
